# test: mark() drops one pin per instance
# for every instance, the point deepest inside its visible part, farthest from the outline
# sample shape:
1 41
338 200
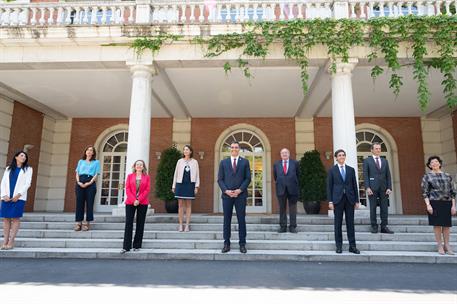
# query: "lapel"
281 167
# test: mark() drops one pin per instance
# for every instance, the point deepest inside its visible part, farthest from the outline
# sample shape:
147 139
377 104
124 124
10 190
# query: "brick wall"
26 128
407 134
205 131
85 131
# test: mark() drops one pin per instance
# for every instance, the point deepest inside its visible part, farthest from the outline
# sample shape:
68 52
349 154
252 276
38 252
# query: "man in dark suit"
378 184
343 197
286 175
234 177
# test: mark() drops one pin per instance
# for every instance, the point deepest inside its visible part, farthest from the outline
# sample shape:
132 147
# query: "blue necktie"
343 173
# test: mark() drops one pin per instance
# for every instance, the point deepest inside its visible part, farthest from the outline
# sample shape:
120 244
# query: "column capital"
342 67
145 70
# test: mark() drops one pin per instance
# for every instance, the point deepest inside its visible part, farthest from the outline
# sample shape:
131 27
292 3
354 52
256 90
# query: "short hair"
191 150
235 142
284 149
432 158
94 156
375 144
339 151
145 170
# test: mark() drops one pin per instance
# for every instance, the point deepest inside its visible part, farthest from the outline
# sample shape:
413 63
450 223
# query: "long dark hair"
13 163
94 156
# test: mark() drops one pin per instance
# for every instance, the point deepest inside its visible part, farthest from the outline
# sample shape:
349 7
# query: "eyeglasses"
234 147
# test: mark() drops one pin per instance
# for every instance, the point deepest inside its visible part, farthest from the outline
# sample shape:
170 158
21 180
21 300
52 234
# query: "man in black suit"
286 175
378 184
234 177
343 197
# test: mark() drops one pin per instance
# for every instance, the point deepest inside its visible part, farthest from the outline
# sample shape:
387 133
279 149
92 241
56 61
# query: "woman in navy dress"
15 183
186 182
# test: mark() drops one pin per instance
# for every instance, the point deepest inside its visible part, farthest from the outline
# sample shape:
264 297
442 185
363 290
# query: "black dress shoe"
226 249
293 230
386 230
354 250
243 249
282 230
374 229
339 250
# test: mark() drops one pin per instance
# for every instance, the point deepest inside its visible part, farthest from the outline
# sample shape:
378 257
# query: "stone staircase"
51 235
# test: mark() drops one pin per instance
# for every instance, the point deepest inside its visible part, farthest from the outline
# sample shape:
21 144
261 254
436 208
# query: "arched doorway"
365 137
113 157
254 147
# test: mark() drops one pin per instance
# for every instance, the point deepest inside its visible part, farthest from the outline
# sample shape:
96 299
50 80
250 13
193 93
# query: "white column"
139 119
343 120
140 114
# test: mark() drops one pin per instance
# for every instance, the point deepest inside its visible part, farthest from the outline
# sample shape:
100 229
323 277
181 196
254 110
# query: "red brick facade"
85 131
26 128
205 132
407 134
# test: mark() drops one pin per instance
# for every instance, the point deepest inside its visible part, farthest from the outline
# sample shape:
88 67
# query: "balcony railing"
209 12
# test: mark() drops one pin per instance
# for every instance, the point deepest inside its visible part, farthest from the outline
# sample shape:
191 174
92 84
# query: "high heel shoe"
180 229
441 250
187 228
448 249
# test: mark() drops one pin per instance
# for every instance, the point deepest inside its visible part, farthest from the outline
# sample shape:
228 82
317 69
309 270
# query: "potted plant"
312 181
164 178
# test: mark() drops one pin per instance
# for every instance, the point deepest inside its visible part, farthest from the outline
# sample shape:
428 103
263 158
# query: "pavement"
168 281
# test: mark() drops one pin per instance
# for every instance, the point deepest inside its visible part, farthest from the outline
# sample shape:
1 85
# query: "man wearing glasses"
234 177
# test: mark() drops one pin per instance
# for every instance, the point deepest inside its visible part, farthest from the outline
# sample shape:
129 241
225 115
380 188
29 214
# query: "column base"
120 211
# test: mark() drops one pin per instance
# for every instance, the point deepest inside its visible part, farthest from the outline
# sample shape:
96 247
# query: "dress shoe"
386 230
354 250
293 230
226 249
282 230
374 229
339 250
243 249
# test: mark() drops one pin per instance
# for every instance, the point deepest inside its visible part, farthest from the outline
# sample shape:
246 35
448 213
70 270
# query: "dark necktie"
378 164
234 165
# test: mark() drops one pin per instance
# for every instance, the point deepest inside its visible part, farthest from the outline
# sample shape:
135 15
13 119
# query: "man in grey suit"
286 175
378 184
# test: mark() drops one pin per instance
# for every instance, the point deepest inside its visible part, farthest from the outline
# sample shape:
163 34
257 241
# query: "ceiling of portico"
206 91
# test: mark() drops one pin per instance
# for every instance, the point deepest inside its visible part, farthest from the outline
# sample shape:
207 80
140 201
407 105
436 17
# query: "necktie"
234 165
284 167
378 164
343 173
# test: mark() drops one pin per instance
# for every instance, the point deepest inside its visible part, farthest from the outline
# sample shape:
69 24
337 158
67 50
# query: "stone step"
217 235
217 244
215 227
211 254
215 219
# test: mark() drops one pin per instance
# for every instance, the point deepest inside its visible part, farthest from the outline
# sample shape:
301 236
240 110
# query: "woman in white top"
15 183
186 182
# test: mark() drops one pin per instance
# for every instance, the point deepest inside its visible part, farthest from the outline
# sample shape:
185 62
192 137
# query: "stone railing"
209 11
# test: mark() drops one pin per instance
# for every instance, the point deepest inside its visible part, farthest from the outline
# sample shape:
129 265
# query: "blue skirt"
11 209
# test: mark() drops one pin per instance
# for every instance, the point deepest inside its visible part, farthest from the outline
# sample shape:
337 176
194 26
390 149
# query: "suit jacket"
287 181
229 180
376 179
336 187
130 189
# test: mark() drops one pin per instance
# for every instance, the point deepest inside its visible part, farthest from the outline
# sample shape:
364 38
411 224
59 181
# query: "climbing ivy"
382 35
